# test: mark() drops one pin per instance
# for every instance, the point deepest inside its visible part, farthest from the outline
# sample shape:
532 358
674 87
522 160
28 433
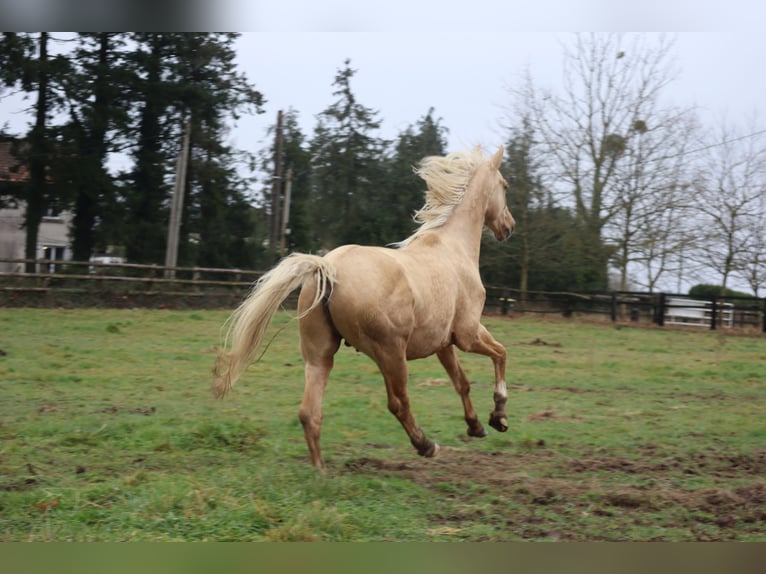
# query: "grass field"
108 432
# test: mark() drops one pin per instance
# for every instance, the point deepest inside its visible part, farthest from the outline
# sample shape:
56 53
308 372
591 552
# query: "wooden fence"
85 284
624 306
91 284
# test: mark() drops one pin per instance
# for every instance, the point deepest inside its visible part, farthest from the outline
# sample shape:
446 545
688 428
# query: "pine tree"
147 189
526 194
219 220
405 189
347 168
184 77
98 114
297 162
26 61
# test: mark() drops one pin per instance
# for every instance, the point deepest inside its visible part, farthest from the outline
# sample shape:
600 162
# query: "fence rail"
658 308
83 284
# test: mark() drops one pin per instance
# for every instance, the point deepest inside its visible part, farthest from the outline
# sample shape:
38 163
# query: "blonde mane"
446 179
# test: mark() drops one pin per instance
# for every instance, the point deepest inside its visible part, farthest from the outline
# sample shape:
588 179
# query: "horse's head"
497 217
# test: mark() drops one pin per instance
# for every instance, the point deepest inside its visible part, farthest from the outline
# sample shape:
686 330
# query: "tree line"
97 95
606 178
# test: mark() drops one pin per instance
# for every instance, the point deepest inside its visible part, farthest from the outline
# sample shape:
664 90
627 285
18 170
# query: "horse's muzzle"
504 233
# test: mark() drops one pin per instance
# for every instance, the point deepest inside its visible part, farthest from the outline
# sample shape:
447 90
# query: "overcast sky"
461 56
457 56
466 79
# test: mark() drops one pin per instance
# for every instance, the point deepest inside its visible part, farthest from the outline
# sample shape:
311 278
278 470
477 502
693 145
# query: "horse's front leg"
485 344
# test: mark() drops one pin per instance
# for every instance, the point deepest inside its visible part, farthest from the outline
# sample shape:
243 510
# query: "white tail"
248 323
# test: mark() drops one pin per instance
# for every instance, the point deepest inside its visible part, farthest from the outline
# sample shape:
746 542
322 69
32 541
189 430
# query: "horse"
422 297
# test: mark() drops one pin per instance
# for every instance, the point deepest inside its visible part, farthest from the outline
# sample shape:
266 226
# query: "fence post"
614 307
764 315
714 313
566 308
504 302
660 311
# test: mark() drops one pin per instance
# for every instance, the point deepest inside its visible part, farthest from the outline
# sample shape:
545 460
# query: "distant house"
53 236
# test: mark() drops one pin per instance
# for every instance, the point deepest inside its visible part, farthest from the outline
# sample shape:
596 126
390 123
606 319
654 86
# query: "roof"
11 170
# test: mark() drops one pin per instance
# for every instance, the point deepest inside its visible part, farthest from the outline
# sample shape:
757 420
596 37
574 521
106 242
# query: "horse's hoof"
430 451
498 423
481 432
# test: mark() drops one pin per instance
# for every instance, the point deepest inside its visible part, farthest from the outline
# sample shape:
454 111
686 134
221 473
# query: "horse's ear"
497 159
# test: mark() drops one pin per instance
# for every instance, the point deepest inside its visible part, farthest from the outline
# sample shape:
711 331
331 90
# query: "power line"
712 145
685 153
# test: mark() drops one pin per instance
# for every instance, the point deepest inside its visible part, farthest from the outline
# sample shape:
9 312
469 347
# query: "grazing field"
108 432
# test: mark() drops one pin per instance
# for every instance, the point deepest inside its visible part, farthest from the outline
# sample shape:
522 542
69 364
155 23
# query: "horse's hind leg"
395 374
319 343
449 360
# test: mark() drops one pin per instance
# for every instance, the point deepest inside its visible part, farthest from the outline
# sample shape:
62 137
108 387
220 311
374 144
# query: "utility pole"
286 212
176 205
276 186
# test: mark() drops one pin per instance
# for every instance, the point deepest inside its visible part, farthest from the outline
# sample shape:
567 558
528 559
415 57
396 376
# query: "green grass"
108 432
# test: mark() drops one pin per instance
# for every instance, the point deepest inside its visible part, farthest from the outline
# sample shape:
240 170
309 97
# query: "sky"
466 79
458 56
461 57
468 82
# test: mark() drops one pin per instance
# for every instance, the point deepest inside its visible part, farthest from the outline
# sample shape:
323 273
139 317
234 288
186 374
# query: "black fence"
90 284
626 306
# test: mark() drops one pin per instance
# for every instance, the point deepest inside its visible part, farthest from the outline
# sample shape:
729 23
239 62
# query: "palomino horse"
424 298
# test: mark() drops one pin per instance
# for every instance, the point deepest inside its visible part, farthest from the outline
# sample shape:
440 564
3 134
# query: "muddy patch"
717 465
539 494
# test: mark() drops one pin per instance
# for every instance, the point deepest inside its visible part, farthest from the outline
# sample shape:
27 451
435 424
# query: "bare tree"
753 269
655 198
732 186
609 102
666 238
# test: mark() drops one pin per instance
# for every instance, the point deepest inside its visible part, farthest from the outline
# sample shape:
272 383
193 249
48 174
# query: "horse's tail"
248 323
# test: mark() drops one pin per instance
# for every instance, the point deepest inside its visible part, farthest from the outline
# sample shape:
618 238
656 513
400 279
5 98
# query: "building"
53 235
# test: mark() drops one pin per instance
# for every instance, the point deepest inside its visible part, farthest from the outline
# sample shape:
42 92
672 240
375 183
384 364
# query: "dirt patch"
147 411
433 383
18 486
754 464
560 498
612 464
47 408
551 415
714 464
540 343
527 388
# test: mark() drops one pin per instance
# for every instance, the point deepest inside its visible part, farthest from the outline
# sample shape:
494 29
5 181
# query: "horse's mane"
446 178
